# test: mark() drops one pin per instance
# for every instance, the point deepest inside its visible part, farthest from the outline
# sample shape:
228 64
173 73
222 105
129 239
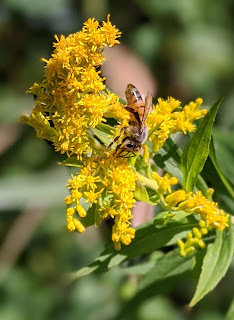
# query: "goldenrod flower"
193 239
72 102
168 117
72 97
114 199
174 198
194 203
165 182
208 210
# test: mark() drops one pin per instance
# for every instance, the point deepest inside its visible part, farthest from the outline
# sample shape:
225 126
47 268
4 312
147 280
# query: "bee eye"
130 145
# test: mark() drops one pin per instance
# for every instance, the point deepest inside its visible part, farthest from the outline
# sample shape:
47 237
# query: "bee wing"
135 103
148 107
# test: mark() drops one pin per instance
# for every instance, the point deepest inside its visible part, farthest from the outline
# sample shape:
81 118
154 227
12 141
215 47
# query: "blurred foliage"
188 46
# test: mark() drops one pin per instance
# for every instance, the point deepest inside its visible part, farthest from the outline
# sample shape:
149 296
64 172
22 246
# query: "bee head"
131 145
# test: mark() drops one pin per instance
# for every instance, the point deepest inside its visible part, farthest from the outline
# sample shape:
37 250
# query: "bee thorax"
136 134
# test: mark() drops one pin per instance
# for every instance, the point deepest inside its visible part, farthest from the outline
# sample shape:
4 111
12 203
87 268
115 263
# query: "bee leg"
126 155
120 154
117 149
112 142
116 139
134 155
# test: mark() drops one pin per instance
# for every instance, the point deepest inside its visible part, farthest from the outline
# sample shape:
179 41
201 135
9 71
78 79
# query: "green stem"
146 182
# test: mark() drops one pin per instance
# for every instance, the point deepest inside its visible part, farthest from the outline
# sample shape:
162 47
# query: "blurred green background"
188 46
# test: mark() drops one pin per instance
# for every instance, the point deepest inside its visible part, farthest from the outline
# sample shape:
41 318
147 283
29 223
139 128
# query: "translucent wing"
148 106
135 104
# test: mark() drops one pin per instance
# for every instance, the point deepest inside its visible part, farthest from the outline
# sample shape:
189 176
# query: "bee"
136 133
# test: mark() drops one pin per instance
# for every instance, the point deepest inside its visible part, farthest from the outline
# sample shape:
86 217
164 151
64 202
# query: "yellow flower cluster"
109 184
167 117
208 210
72 97
194 238
164 183
192 203
72 101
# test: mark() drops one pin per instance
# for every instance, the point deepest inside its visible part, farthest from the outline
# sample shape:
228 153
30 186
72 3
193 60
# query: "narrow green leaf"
162 278
172 150
229 186
148 238
154 197
116 260
163 160
139 269
224 150
102 136
71 162
171 217
169 159
142 167
201 184
105 128
215 264
168 265
70 277
230 313
196 151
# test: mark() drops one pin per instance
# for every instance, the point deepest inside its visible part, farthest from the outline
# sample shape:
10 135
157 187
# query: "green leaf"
230 313
165 275
102 136
168 164
172 150
148 238
71 162
227 183
224 149
154 197
201 184
105 128
89 220
69 277
215 263
142 167
104 201
169 265
169 159
139 269
197 150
